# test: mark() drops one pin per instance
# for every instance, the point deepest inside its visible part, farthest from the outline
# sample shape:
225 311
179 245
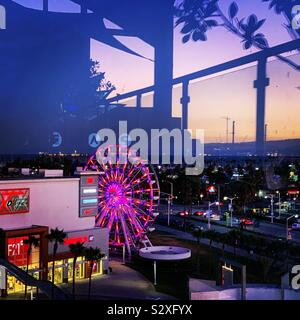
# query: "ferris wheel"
128 195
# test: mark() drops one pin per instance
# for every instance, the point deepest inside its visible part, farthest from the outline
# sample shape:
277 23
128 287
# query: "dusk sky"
233 94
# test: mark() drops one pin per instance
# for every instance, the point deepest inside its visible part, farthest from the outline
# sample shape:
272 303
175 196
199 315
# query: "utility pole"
233 132
227 131
266 131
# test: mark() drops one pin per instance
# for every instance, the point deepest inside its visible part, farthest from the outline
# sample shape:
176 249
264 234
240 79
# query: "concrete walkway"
122 283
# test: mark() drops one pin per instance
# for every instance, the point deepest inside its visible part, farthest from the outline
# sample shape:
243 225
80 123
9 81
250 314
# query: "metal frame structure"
260 84
128 197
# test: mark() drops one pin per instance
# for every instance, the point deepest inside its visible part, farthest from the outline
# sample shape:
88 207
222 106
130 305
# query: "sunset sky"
211 99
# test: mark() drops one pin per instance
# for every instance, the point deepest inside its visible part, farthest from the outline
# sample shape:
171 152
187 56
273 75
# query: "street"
265 228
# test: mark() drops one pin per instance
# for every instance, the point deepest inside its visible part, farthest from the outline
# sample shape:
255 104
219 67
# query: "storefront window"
17 254
80 273
80 269
97 269
58 272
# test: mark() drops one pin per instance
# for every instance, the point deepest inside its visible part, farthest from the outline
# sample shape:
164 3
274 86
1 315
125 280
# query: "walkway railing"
259 59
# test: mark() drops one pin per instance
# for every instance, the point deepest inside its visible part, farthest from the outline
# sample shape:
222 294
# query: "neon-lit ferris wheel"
128 195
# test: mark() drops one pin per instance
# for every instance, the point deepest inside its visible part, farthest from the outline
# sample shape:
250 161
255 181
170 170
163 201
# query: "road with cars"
274 230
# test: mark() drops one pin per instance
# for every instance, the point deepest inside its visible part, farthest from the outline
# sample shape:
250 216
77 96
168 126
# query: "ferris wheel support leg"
124 254
125 230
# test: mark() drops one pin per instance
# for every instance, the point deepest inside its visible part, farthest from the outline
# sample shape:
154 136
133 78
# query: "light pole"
271 196
169 205
201 196
231 208
287 224
279 203
208 218
170 200
172 189
169 208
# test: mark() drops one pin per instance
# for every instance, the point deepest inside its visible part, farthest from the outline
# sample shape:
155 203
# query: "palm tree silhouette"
92 255
78 250
32 242
57 237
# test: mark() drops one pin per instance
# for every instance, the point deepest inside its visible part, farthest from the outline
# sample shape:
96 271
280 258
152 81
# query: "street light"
271 196
279 203
170 200
231 207
287 224
169 206
172 188
208 218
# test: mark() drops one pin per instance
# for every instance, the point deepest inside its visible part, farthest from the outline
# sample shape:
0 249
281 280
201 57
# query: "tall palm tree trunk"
74 273
53 269
27 268
53 272
90 280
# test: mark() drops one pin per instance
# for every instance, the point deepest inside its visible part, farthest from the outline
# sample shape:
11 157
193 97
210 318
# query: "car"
199 213
215 217
296 226
235 220
246 221
195 228
183 213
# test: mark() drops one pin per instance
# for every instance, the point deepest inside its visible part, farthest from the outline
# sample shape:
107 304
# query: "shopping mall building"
32 206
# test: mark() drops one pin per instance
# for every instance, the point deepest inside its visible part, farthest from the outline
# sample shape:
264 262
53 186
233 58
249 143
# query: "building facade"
32 207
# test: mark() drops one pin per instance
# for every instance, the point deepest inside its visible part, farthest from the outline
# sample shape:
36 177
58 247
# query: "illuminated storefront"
13 245
31 207
64 270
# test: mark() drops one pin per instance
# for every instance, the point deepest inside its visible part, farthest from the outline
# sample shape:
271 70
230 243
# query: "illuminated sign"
212 190
89 191
14 201
82 239
75 240
17 251
88 212
88 201
88 195
89 180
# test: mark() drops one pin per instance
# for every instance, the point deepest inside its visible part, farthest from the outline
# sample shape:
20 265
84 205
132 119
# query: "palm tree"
211 235
57 237
92 255
265 264
78 251
223 238
198 234
233 237
32 242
